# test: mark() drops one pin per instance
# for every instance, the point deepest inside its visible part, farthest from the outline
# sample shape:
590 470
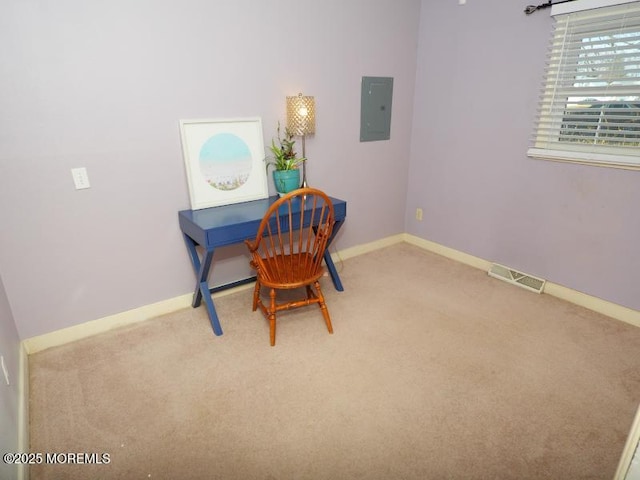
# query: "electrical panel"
375 108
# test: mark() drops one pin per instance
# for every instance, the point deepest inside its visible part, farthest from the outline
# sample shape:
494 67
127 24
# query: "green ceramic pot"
286 180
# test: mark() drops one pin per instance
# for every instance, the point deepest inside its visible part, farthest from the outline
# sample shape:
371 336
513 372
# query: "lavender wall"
479 73
102 85
9 349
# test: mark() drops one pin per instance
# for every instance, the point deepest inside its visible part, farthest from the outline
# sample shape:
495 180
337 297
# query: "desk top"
229 224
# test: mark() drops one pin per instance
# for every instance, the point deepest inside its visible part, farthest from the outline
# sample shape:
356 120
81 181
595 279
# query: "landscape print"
225 161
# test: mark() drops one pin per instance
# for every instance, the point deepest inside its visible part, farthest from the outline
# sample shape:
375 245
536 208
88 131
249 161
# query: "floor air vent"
516 278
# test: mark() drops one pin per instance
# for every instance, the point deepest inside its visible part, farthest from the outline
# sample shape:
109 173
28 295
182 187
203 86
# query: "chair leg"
323 307
272 317
256 295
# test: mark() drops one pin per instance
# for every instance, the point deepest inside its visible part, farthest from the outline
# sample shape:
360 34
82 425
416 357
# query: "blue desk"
215 227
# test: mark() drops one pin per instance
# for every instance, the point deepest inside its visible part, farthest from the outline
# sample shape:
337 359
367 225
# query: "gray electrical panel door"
375 108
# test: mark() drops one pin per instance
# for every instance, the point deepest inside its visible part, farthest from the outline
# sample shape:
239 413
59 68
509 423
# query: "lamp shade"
301 115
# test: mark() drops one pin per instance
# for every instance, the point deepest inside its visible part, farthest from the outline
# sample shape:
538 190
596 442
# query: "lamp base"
304 174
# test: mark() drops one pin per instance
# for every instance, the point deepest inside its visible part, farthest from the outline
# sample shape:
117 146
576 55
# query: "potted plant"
285 161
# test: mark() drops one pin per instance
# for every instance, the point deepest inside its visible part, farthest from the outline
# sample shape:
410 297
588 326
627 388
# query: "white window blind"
589 108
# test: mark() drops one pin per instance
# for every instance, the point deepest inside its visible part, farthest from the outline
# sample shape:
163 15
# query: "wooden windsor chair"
288 249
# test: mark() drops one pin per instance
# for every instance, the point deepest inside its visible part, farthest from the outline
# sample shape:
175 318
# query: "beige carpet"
435 371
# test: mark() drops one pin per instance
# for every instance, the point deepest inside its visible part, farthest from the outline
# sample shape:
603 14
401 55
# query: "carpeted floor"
435 371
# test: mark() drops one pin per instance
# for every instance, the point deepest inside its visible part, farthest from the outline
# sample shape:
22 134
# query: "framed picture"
224 161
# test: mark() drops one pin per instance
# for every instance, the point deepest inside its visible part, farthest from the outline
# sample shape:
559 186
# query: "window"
589 109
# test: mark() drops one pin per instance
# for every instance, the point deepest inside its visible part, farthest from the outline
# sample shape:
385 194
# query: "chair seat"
287 271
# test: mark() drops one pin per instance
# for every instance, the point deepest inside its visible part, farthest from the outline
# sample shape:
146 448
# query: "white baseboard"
102 325
146 312
447 252
596 304
94 327
629 463
368 247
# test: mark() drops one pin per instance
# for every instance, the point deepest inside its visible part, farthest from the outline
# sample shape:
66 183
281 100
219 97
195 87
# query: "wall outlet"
419 214
4 370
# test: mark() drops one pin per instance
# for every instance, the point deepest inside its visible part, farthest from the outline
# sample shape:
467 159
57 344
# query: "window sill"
571 7
594 159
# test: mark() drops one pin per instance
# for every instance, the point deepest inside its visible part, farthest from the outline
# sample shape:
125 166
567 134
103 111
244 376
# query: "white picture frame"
224 161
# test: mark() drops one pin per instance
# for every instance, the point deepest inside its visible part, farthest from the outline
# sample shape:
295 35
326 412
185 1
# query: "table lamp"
301 121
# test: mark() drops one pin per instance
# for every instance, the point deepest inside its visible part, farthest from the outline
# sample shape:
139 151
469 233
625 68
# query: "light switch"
80 178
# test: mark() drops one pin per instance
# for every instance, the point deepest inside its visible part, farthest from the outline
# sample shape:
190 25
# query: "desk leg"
329 261
211 309
202 290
